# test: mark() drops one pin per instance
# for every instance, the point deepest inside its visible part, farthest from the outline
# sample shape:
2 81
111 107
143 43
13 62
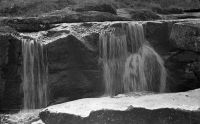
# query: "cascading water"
35 74
130 64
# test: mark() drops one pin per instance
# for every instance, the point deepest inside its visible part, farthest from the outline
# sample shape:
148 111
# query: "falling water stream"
35 74
130 64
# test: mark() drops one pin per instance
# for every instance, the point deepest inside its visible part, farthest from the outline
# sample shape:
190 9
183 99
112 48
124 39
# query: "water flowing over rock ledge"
131 108
73 50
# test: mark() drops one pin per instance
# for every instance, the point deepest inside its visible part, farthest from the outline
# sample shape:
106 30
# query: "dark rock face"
73 69
157 33
184 70
3 52
10 72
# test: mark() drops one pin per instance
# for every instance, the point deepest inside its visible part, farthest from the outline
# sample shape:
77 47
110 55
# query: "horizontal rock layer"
45 21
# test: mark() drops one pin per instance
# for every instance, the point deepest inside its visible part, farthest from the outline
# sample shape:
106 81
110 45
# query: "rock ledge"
175 105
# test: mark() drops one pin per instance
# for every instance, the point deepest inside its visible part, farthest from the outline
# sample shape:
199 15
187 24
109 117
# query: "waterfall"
35 74
130 64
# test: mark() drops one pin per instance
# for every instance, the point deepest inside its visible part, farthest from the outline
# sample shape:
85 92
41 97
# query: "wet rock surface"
131 108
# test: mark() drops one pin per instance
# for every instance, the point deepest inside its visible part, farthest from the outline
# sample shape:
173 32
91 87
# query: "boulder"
186 35
177 108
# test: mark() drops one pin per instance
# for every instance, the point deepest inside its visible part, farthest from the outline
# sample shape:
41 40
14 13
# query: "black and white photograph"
99 61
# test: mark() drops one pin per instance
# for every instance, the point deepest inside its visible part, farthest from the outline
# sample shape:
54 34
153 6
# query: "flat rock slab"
134 108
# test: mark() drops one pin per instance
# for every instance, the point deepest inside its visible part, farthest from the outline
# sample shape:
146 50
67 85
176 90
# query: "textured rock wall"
3 57
73 69
10 72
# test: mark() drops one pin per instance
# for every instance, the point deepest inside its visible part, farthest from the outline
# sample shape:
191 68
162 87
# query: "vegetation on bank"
37 7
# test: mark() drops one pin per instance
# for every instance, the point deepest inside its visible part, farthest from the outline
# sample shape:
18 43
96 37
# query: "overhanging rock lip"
54 26
100 25
185 101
